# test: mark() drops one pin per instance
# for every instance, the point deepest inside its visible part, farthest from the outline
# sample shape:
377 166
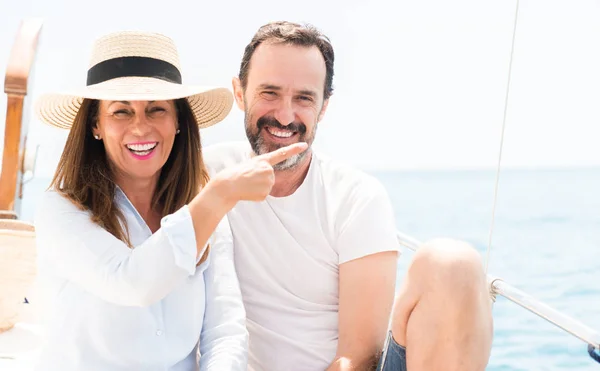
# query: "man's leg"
443 313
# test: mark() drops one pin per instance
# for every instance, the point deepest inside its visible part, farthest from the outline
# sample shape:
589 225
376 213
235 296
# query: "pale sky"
419 84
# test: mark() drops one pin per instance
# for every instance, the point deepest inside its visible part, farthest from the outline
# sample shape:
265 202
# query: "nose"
285 112
140 125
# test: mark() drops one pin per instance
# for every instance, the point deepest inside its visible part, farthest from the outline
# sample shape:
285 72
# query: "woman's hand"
252 180
248 181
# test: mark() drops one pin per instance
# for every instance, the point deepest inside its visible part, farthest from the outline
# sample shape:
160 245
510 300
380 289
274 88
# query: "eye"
269 94
156 110
305 100
122 113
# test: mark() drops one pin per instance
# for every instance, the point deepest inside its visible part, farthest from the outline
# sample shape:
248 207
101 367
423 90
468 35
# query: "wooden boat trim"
16 81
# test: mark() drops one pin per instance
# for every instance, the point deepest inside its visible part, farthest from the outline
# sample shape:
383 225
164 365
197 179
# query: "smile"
280 133
142 150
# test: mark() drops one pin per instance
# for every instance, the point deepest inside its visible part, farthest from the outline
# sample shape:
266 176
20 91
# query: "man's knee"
451 264
445 278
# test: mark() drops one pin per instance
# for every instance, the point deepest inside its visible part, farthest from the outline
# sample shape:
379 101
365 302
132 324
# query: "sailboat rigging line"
512 49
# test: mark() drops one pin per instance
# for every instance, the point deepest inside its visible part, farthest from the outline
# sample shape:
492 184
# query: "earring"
97 137
177 132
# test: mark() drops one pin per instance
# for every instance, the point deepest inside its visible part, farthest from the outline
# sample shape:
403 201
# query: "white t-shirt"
287 254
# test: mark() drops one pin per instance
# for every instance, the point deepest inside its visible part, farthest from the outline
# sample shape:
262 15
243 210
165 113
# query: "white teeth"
142 147
280 133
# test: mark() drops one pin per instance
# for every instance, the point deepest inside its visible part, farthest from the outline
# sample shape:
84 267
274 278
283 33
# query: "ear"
323 109
96 124
95 130
238 92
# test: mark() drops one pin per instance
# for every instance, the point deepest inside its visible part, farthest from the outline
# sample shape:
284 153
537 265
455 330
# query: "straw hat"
129 66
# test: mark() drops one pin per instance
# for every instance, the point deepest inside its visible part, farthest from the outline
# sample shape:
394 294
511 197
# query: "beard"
261 146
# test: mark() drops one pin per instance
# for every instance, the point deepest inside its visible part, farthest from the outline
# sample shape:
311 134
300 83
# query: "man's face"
283 99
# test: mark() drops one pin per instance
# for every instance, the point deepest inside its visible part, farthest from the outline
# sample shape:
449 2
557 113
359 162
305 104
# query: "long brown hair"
84 176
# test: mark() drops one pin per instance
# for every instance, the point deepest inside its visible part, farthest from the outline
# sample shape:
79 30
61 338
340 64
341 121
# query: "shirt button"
158 332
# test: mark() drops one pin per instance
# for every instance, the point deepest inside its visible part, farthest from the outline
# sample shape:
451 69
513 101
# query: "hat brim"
210 105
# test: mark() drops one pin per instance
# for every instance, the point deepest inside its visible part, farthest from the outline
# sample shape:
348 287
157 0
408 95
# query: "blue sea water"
546 242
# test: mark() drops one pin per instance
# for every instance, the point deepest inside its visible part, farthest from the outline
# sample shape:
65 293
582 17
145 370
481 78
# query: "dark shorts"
393 357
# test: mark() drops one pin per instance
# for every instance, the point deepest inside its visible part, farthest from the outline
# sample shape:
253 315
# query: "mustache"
272 122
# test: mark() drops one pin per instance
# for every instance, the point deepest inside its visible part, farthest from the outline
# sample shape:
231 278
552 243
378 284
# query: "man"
317 259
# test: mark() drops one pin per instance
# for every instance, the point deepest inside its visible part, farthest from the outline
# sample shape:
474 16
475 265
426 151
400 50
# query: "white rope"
512 48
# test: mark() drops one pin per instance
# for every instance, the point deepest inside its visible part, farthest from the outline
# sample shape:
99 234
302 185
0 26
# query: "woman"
135 252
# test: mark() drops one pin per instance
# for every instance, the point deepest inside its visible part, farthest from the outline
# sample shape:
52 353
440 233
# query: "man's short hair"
291 34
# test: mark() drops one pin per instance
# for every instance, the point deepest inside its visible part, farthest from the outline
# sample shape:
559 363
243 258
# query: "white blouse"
109 307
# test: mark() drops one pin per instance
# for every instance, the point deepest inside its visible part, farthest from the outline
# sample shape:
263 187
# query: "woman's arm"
81 251
224 338
84 253
249 181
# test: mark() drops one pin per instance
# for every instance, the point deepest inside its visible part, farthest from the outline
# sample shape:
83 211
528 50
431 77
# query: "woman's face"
138 136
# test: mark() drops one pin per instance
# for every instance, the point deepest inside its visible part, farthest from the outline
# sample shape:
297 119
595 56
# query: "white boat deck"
20 345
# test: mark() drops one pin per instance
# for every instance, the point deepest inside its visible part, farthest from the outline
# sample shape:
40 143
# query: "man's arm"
368 251
366 295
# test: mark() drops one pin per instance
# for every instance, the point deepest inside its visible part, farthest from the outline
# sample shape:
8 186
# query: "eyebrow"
277 88
310 93
119 101
126 102
269 87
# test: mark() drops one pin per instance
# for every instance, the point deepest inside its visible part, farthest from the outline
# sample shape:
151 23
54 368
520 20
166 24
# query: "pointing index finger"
284 153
